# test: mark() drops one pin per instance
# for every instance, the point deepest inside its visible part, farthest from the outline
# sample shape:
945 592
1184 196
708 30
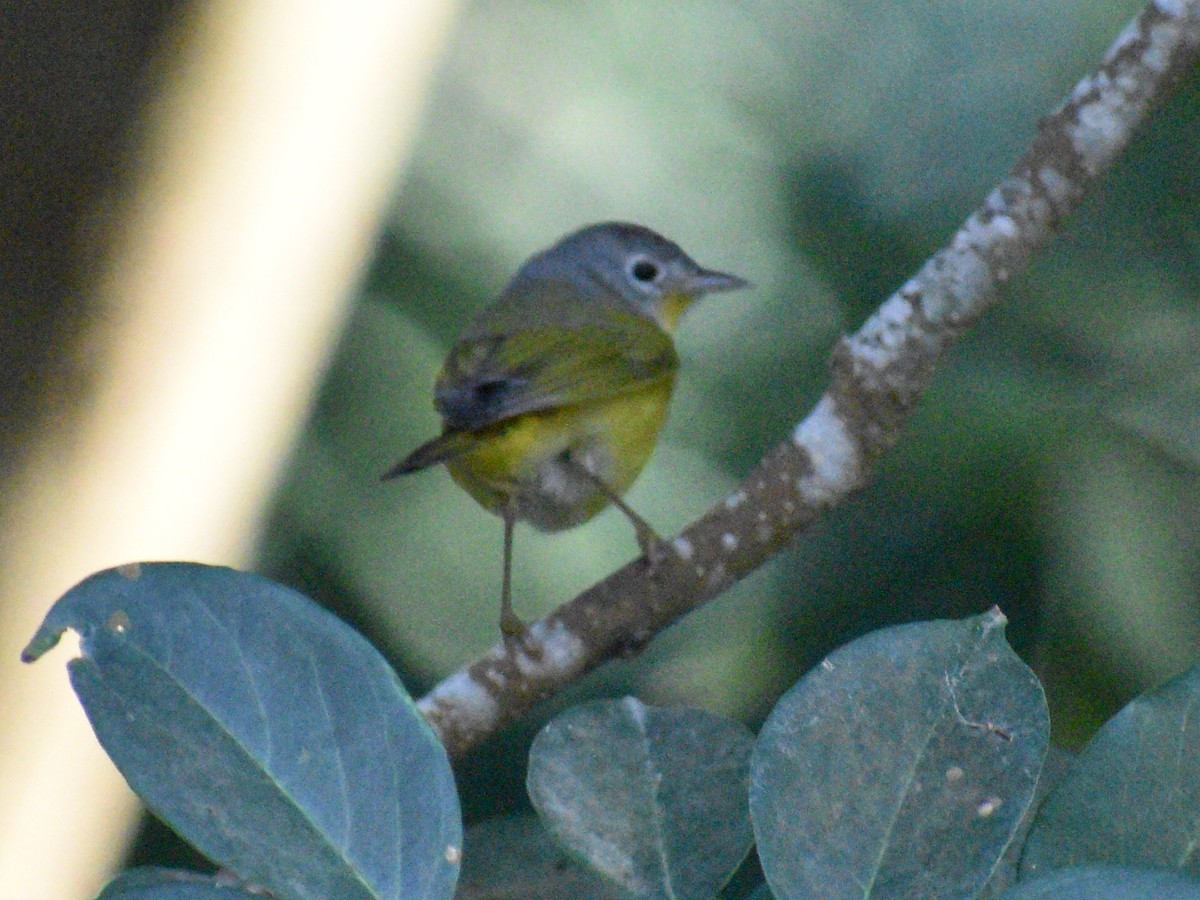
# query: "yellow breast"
531 461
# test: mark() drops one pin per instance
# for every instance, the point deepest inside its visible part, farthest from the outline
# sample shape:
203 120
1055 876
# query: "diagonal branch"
878 376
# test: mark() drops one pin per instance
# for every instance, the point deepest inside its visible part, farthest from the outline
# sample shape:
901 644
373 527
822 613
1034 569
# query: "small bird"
553 397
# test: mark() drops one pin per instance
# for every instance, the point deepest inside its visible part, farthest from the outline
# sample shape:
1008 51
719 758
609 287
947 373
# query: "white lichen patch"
831 450
1101 128
466 698
882 336
729 541
559 649
1162 38
1004 226
965 273
683 548
736 499
1055 184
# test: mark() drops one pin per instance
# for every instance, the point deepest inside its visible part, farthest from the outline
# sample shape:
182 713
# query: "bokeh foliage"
822 150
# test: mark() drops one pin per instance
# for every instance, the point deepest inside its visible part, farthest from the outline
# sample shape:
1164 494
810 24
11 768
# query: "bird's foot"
653 547
511 625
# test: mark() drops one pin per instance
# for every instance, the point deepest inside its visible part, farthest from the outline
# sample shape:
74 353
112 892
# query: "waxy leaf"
170 884
900 766
1132 796
653 798
262 729
1107 883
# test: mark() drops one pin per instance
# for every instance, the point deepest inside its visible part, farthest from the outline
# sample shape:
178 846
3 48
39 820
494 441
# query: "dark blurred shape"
860 252
73 79
158 845
1157 186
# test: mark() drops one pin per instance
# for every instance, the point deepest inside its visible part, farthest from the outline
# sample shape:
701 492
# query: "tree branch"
878 376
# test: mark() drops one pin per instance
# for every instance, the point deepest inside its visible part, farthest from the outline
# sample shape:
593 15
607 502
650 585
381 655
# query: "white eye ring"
643 271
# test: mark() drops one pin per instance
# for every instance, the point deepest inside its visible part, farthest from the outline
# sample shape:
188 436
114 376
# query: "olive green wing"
495 374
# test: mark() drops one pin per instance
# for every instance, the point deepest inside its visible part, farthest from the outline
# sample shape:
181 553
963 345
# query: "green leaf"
1109 883
1004 876
263 730
170 884
900 766
1131 798
514 856
653 798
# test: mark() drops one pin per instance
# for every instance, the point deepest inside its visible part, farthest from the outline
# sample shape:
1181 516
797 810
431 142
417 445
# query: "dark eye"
489 392
644 270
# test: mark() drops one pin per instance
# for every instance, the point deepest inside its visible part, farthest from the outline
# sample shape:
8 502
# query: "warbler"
553 398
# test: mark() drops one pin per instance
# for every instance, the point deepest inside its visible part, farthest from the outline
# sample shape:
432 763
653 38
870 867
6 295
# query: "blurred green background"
822 150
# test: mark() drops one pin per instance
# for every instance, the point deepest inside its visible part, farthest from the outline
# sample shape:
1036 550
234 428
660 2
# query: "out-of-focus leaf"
1131 799
1107 883
653 798
514 856
262 729
1126 529
170 884
900 766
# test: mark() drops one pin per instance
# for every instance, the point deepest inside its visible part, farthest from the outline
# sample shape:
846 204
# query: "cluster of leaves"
906 764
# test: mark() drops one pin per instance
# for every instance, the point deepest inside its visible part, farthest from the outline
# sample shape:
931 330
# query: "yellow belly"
531 462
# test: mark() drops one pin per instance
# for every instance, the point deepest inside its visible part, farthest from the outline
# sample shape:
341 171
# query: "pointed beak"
707 281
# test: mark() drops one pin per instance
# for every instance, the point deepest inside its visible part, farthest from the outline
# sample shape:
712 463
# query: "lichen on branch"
878 376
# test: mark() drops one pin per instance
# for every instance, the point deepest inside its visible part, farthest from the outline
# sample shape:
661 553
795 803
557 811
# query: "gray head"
645 269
